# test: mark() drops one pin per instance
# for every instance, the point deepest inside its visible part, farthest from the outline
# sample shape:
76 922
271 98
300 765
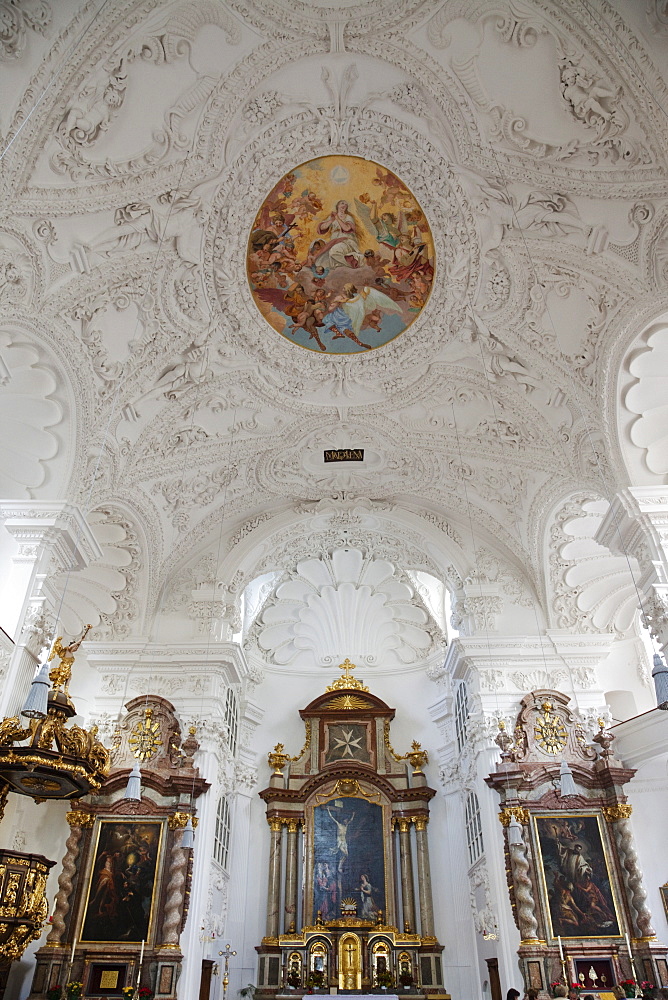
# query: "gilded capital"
622 810
275 823
293 825
519 812
420 822
77 817
404 825
179 820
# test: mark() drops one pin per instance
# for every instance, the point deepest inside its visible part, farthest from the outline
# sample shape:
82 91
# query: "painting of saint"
122 882
577 878
340 256
348 857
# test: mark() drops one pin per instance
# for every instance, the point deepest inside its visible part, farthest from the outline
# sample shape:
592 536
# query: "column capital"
79 818
622 810
41 526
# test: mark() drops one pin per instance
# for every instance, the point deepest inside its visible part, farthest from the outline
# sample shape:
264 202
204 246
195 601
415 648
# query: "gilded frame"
610 870
132 824
322 797
663 890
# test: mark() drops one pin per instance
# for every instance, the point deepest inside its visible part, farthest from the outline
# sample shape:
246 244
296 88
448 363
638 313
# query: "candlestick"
561 950
74 945
628 946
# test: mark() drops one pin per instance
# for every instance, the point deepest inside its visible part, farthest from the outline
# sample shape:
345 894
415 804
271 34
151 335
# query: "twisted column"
77 820
635 890
406 859
291 874
274 890
424 877
176 882
524 901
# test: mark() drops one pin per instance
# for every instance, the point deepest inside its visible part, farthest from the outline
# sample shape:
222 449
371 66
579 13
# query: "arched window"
232 719
473 828
461 715
221 840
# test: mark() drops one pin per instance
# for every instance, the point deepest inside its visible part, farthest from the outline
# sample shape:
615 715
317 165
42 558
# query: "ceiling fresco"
340 257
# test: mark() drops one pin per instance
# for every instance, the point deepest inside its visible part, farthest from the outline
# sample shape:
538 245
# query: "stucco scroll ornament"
588 96
99 103
15 20
591 101
14 275
657 15
175 220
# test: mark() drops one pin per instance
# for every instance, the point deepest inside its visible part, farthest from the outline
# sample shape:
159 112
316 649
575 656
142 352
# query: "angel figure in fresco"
387 227
343 249
350 309
341 837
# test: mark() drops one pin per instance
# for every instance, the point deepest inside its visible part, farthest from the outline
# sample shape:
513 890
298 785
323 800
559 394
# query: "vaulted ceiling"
139 379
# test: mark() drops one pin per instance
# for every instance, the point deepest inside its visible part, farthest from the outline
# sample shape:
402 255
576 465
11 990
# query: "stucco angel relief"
340 257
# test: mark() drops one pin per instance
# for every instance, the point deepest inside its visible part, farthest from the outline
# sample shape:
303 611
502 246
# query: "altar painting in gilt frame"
348 857
120 898
576 876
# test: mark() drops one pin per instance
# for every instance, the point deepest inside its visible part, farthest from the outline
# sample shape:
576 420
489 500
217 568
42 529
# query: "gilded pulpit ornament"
61 675
549 731
145 737
44 758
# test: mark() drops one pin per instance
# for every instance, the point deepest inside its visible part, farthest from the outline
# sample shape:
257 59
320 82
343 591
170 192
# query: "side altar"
347 907
574 878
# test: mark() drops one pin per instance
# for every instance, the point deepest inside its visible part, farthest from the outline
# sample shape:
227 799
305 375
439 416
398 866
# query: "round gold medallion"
145 738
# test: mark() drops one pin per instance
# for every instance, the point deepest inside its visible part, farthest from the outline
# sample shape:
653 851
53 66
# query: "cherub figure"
60 676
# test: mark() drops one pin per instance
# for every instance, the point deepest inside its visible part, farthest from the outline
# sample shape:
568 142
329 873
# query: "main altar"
349 902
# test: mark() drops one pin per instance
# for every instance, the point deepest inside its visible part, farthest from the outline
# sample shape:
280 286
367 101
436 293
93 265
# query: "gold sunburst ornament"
145 738
549 731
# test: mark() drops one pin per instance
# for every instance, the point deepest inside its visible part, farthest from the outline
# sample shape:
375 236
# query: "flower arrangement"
55 993
293 979
405 979
647 989
144 992
316 979
629 987
73 990
384 979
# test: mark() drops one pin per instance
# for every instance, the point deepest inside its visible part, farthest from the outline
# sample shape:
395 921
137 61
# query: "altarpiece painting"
348 857
576 876
122 886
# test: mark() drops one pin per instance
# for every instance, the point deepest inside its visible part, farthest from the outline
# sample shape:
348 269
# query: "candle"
141 953
74 944
628 946
561 950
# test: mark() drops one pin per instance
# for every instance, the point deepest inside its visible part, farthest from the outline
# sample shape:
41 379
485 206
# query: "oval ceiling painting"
340 258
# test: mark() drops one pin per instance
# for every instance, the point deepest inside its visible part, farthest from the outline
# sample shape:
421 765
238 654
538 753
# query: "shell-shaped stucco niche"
347 604
648 398
27 412
594 590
